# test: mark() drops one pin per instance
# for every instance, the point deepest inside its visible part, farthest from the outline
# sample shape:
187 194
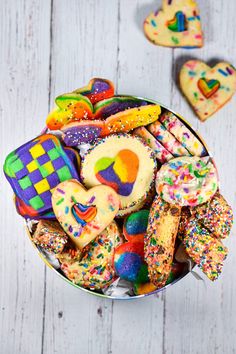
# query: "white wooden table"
50 47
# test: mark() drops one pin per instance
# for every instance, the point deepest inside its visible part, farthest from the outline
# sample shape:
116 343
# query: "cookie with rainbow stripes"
178 24
82 213
35 169
124 163
207 89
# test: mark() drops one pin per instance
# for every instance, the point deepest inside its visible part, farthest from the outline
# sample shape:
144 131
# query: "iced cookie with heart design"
82 213
124 163
207 89
178 24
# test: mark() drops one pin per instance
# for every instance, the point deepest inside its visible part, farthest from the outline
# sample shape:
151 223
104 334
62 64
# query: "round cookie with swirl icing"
124 163
187 181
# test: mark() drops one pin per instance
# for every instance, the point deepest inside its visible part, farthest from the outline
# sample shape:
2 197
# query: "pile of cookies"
116 188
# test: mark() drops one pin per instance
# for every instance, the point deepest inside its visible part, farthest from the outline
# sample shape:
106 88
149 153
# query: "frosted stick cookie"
176 25
187 181
87 132
208 252
183 134
161 153
167 140
124 163
216 215
159 241
84 214
207 89
95 268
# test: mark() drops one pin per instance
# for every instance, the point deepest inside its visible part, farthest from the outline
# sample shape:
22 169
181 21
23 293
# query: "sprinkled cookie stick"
216 215
206 251
159 240
182 134
167 140
161 153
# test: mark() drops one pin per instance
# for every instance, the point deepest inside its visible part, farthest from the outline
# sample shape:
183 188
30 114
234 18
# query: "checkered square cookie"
35 169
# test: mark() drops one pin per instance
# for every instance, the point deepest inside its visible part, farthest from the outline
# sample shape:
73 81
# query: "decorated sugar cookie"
161 153
95 268
87 132
84 214
35 169
207 89
176 25
187 181
167 140
125 164
183 134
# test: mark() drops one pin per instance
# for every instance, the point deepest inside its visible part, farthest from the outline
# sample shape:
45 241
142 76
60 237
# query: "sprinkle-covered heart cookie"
84 214
207 89
177 25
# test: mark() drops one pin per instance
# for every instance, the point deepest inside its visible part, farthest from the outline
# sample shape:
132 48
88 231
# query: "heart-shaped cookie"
177 25
84 214
97 90
207 89
119 172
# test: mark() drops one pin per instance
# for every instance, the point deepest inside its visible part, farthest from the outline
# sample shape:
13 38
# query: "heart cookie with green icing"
82 213
176 25
207 89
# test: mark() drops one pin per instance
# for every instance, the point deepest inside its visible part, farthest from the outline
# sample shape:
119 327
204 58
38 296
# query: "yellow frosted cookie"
207 89
176 25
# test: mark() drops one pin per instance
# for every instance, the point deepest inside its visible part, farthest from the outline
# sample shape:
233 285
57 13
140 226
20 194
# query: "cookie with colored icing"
207 89
125 164
129 262
82 213
167 140
176 25
88 131
187 181
206 251
50 236
135 226
183 134
35 169
94 269
159 240
160 152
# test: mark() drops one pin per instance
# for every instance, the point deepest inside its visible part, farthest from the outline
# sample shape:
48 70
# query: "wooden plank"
84 45
24 37
143 68
200 319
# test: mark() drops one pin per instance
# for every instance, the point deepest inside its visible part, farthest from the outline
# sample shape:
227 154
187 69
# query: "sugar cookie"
207 89
84 214
124 163
187 181
176 25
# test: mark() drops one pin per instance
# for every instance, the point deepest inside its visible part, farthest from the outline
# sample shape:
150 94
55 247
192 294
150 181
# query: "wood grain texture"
52 47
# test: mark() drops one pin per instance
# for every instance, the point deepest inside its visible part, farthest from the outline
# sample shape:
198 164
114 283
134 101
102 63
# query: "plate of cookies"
119 194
